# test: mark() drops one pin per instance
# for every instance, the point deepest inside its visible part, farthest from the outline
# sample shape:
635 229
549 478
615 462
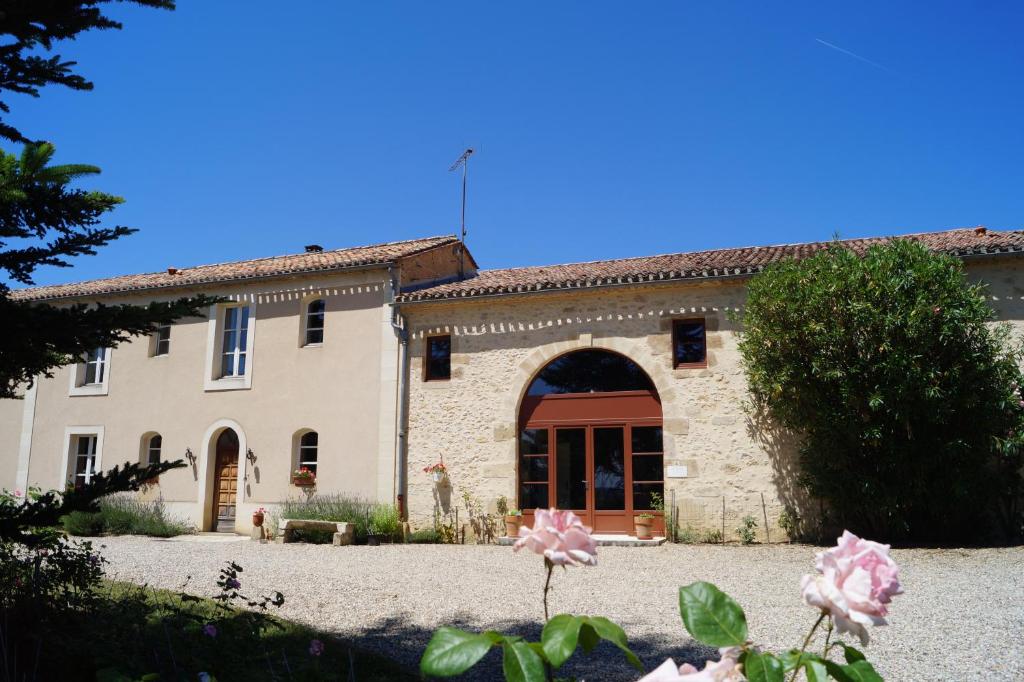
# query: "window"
153 446
439 358
162 340
95 367
91 374
308 444
230 340
235 337
315 321
85 461
648 465
689 343
533 468
590 371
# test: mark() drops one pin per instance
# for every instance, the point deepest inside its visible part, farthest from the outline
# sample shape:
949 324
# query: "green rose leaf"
711 616
762 667
520 662
789 659
610 632
560 637
452 651
852 655
588 637
861 671
816 671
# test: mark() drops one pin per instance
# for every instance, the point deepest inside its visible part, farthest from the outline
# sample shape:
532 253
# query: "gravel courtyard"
962 616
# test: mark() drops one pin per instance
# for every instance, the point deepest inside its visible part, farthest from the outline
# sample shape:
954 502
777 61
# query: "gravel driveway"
962 616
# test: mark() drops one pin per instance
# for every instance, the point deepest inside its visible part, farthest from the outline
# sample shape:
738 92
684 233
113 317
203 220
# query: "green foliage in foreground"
145 631
907 400
710 616
125 515
452 651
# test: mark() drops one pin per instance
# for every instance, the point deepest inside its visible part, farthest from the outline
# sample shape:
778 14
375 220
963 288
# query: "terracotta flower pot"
512 524
257 519
303 480
643 526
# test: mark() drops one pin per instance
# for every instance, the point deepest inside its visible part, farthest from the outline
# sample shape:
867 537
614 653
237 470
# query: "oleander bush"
904 394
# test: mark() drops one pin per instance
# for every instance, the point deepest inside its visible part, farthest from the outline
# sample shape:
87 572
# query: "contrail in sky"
851 54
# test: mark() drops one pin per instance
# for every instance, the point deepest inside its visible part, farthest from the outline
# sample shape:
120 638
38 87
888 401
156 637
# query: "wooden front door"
225 482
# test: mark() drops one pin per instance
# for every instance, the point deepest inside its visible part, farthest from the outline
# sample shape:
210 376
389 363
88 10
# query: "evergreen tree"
52 221
33 25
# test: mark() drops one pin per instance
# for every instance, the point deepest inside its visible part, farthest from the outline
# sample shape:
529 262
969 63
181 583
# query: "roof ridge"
261 259
734 248
227 271
708 264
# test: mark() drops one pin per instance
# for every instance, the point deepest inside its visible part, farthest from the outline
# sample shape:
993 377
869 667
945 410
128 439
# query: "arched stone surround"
203 516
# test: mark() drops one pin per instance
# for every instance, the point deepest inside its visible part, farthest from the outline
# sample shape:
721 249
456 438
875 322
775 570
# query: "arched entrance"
590 440
225 482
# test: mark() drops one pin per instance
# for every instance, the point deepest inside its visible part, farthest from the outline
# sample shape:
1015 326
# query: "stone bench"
344 533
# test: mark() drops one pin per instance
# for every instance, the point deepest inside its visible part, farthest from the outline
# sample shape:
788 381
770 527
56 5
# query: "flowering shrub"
854 583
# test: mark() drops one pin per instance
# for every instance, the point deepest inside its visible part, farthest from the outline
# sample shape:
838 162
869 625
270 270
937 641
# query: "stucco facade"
344 388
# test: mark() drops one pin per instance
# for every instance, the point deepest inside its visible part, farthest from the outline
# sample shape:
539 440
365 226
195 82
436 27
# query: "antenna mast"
463 162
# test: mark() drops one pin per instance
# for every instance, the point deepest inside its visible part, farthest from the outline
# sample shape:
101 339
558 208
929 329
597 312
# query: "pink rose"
725 670
561 537
857 579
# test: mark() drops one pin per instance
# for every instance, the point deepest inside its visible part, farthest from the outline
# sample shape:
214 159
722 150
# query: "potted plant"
439 472
642 523
258 516
513 519
303 477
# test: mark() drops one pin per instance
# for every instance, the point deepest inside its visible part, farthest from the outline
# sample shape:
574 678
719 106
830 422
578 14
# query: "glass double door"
590 474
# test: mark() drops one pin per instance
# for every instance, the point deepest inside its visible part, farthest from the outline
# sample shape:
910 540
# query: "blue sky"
604 129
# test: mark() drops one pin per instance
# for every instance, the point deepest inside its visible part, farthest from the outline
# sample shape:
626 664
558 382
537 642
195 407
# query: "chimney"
172 271
314 248
980 230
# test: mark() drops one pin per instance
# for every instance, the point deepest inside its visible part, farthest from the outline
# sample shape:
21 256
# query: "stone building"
610 387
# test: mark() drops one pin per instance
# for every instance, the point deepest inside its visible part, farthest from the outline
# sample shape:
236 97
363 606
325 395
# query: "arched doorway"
590 440
225 482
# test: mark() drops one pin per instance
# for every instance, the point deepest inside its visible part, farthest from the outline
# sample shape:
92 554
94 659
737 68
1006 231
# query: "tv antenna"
462 162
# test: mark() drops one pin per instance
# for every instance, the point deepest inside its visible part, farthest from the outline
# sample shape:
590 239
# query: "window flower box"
303 477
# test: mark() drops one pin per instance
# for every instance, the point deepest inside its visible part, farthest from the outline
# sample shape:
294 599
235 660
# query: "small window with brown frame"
689 343
438 360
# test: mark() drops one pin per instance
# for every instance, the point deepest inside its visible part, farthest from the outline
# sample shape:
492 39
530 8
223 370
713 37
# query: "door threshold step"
609 540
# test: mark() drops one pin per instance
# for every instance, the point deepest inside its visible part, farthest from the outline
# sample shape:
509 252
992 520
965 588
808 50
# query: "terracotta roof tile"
322 261
696 265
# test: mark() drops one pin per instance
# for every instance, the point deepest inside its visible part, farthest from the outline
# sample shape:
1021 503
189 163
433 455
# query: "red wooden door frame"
588 411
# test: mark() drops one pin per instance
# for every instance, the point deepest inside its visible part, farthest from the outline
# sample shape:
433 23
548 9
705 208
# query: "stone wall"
499 344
